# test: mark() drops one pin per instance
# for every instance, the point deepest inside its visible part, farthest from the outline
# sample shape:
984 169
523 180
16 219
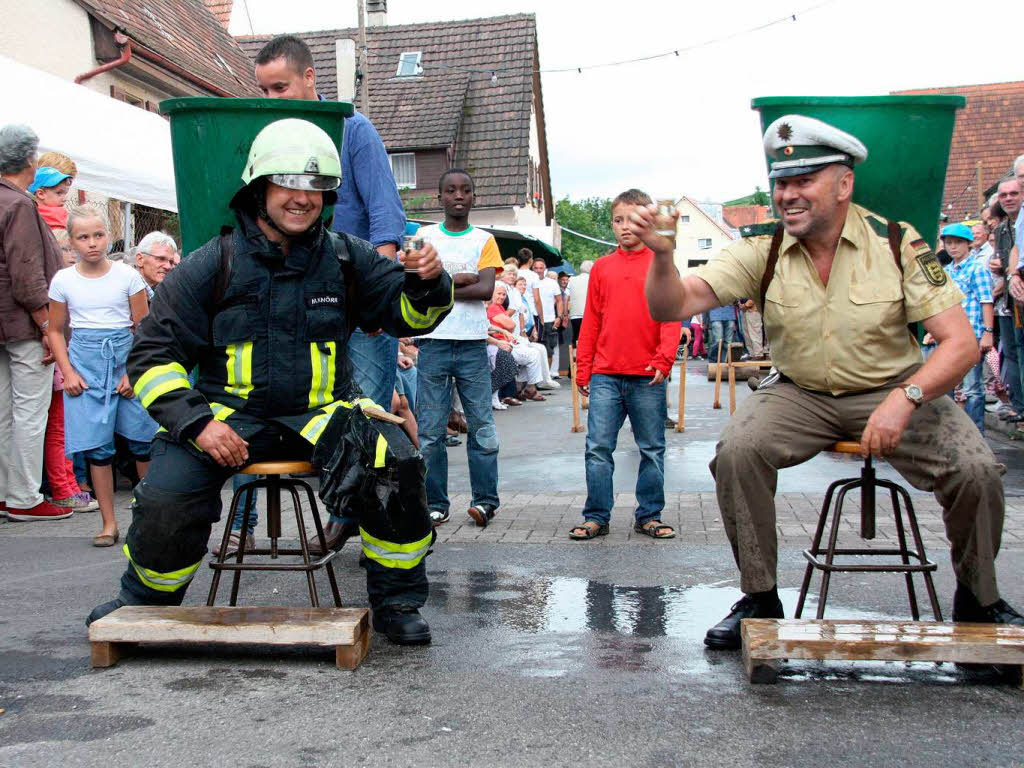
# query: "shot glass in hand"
665 219
412 245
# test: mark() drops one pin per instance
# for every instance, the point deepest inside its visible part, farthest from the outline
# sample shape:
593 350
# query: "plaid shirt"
974 280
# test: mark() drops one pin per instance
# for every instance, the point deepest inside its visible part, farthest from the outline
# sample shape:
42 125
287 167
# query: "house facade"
448 94
699 236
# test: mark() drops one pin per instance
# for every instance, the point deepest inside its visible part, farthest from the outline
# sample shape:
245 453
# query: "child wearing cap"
50 190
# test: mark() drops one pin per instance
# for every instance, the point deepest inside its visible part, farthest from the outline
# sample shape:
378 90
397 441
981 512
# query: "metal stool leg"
832 538
236 577
929 584
314 599
902 538
273 513
816 544
318 525
215 582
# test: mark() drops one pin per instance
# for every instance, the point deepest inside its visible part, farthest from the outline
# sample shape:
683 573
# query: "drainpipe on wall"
126 55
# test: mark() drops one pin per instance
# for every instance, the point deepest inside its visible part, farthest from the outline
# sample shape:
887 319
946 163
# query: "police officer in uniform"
265 314
837 286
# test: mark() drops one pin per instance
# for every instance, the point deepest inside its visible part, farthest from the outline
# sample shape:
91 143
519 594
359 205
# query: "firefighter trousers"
175 506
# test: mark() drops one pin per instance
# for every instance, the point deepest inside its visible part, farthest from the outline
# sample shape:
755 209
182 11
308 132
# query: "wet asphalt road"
544 655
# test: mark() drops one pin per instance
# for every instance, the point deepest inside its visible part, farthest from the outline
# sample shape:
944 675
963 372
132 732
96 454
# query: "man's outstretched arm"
669 297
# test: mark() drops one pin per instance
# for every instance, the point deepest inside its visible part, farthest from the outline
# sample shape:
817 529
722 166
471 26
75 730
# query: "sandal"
511 401
535 396
655 530
106 539
591 530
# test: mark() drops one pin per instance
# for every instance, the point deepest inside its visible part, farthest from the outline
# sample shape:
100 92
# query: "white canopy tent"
121 151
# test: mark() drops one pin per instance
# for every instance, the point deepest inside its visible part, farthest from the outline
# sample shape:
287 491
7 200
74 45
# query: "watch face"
914 392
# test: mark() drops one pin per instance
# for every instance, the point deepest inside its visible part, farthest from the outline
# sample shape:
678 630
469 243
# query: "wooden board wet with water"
345 629
767 640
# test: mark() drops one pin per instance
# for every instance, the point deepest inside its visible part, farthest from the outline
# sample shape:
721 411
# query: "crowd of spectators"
67 314
738 323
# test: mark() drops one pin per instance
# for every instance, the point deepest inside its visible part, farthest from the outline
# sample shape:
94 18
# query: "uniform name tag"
318 300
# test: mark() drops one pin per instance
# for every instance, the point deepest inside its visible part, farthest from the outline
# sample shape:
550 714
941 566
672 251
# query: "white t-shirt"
517 304
531 283
468 251
98 302
548 290
578 294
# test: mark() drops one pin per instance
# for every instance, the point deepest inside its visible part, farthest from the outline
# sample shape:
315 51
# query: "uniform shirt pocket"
324 305
235 322
876 307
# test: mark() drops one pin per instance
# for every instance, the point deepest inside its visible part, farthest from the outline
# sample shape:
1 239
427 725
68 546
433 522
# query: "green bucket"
210 141
907 137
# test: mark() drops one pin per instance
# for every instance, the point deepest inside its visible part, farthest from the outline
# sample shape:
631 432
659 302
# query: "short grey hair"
1018 163
147 243
18 146
586 265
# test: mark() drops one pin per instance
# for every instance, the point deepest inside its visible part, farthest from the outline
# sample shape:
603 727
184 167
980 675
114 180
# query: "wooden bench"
765 641
347 630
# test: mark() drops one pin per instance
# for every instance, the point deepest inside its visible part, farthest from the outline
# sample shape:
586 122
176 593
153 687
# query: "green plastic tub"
210 141
907 137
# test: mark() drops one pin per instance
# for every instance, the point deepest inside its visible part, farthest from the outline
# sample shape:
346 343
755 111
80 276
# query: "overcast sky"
683 125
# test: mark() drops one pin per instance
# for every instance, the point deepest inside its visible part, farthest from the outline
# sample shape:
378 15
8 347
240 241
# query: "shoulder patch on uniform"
881 228
931 267
757 230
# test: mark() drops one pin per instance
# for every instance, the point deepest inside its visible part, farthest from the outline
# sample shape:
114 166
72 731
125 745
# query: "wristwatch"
914 395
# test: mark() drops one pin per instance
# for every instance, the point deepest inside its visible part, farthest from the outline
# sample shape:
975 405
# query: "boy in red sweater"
622 360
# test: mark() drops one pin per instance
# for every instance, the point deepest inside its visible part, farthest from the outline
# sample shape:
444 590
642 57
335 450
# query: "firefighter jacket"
270 342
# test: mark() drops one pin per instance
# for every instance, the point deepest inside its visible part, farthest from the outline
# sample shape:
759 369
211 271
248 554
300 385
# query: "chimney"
345 63
376 13
221 9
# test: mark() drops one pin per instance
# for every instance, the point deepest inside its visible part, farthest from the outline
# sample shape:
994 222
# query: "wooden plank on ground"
767 640
257 625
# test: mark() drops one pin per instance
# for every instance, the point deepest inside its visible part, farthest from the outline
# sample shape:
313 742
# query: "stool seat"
845 446
277 468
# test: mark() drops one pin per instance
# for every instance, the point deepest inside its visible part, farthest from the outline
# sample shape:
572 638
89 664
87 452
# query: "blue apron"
92 418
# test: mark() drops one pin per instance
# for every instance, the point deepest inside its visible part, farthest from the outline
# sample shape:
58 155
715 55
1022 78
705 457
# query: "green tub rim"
210 103
911 100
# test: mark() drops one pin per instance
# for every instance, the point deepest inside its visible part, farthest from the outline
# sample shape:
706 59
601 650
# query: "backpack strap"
341 250
895 237
769 267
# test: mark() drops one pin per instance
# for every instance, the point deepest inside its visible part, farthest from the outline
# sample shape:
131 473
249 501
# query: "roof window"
409 64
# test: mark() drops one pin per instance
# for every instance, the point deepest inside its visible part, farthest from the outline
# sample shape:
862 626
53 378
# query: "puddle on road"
552 627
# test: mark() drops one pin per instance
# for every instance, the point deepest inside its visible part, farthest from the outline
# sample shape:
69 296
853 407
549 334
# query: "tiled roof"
989 129
737 216
493 141
185 33
221 9
414 114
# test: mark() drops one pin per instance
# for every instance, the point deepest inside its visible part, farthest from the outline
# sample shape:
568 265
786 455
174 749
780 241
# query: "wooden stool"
867 483
275 482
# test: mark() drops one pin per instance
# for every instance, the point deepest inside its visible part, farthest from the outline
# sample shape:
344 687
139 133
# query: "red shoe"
3 509
44 510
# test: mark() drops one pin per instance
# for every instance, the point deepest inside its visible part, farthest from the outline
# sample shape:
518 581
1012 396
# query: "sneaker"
44 510
549 384
3 509
79 502
438 516
482 514
670 423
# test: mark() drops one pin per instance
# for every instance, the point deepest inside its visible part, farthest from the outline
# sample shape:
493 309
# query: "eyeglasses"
161 259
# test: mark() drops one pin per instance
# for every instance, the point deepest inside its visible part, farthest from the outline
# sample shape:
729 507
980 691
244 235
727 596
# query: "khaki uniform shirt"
850 335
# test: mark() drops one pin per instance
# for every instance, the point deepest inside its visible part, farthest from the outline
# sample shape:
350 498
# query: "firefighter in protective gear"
264 313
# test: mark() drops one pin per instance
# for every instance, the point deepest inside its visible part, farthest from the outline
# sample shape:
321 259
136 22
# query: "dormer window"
409 64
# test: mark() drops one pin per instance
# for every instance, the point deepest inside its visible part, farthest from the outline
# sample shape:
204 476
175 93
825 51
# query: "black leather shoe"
725 635
103 609
967 608
402 626
336 535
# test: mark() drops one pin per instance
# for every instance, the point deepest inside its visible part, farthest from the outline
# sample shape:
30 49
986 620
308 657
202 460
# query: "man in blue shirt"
368 207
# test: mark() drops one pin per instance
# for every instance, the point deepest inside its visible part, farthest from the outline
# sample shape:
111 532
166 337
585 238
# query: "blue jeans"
724 330
374 363
1009 370
973 387
612 399
407 378
444 362
240 481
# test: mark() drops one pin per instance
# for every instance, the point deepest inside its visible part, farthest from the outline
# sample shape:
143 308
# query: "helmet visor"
311 182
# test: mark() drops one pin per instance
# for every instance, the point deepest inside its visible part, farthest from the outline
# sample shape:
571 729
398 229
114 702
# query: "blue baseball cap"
958 230
46 177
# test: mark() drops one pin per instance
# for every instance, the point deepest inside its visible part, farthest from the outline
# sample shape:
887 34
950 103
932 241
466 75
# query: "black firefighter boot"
725 635
402 625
